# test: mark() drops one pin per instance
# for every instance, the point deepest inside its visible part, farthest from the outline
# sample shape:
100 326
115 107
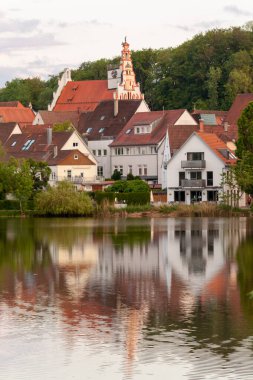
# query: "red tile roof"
67 157
6 129
102 121
218 146
83 95
230 135
163 121
16 114
52 117
16 104
240 103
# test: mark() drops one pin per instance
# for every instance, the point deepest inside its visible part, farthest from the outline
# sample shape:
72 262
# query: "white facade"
101 150
195 187
76 142
186 119
77 174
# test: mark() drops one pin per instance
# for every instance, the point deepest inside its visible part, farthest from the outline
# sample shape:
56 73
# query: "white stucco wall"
186 119
38 120
82 147
103 160
213 163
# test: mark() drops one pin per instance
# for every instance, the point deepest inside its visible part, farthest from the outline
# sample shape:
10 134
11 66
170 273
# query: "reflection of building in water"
197 248
76 261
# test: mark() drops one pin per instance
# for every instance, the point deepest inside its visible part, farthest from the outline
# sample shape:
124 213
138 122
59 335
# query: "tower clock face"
114 74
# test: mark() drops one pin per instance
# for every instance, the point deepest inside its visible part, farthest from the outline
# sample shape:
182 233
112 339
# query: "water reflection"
167 292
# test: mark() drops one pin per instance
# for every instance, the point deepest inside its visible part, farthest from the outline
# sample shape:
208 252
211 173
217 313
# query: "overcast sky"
42 37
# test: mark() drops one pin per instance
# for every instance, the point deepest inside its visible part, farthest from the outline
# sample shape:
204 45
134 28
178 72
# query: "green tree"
63 200
40 172
21 182
214 77
123 186
116 175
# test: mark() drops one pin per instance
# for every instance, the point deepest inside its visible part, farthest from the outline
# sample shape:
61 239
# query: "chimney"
116 107
55 151
49 136
226 125
201 125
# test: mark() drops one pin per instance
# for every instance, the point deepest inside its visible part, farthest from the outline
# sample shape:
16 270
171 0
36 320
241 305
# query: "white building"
194 171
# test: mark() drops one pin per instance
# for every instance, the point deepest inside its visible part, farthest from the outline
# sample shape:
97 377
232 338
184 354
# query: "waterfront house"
194 172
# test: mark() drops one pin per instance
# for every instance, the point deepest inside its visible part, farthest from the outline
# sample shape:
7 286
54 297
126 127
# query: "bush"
131 198
63 200
135 185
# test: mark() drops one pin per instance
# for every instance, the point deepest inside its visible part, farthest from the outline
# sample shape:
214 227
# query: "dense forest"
205 72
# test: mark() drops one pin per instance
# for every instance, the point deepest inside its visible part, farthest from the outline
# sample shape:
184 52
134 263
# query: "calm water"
126 299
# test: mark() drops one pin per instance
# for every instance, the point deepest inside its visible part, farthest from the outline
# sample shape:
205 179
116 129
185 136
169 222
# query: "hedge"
14 205
134 198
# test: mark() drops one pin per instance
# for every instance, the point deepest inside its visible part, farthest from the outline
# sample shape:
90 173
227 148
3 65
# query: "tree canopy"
206 71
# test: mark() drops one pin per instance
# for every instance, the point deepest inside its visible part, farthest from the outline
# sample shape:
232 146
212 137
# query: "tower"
128 89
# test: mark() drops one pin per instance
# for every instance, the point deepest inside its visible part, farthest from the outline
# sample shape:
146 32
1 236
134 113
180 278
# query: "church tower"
127 89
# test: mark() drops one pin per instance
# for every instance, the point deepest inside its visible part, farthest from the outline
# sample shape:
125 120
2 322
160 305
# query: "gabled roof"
70 157
16 114
83 95
218 116
214 143
102 122
6 129
218 147
54 117
16 143
231 134
16 104
161 119
240 103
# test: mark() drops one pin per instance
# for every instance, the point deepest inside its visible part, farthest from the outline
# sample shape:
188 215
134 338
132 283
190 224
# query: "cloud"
17 26
20 43
236 11
203 25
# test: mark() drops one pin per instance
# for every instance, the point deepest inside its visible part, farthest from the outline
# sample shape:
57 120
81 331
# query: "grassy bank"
173 211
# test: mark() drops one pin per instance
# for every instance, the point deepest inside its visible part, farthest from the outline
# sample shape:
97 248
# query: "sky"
39 38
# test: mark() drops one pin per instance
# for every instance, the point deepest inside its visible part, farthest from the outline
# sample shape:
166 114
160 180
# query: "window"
128 131
105 152
209 178
102 118
140 170
212 196
119 151
145 170
130 169
137 130
195 156
88 130
14 143
179 196
99 152
100 171
69 174
75 156
75 143
121 169
101 130
195 175
181 177
28 144
94 152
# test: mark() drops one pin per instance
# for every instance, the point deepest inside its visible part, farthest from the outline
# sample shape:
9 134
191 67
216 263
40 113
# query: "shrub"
63 200
131 198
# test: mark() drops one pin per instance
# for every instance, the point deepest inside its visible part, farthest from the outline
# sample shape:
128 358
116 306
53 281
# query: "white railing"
77 179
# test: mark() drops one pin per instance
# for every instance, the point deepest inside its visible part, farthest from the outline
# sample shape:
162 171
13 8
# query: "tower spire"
128 89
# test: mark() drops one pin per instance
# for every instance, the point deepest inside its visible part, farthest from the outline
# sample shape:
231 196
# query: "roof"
231 134
83 95
218 147
16 104
16 114
102 122
211 117
161 120
240 103
38 142
54 117
6 129
70 157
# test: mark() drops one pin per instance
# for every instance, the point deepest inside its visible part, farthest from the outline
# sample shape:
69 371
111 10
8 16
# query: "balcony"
195 183
193 164
78 179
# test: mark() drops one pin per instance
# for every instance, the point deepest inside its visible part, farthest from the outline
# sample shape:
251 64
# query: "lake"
158 298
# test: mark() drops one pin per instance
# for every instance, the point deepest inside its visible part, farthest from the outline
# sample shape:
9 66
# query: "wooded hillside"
205 72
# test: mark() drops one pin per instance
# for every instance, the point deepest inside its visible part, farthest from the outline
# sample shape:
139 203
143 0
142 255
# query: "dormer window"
128 131
142 129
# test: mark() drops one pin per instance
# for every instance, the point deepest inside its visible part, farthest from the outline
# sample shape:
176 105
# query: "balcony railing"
197 183
193 164
78 179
